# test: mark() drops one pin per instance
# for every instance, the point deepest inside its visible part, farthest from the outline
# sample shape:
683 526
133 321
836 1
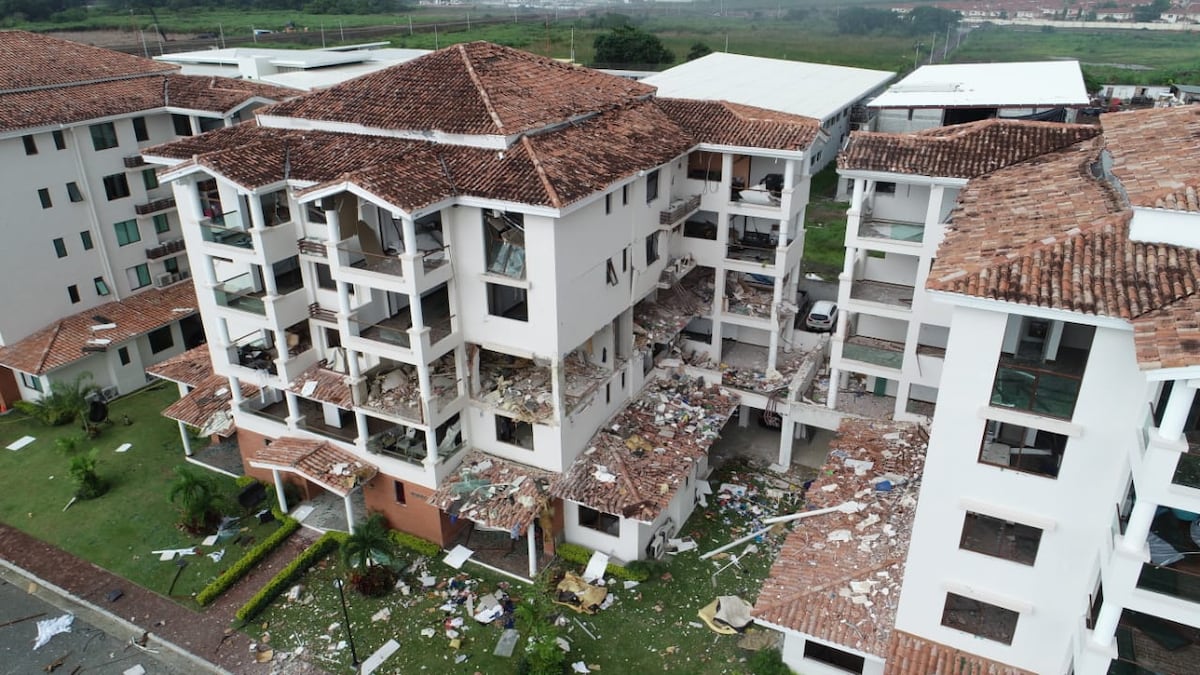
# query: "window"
73 192
30 145
599 521
851 663
1000 538
652 186
398 487
73 293
313 213
885 188
171 265
1022 448
979 618
149 178
86 238
704 166
31 382
60 248
123 355
140 132
101 286
651 248
138 275
514 432
509 302
162 223
504 243
161 339
127 232
611 274
607 393
625 259
44 198
116 186
210 123
625 195
325 277
181 124
60 141
104 136
608 203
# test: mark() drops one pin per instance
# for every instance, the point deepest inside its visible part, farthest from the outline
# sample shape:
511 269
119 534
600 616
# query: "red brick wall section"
9 391
415 516
249 443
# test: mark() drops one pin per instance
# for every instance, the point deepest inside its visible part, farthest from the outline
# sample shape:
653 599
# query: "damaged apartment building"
461 291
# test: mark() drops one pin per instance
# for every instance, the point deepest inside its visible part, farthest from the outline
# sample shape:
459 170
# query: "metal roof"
969 85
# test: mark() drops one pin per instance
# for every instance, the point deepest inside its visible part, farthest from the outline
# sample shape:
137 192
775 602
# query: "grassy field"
824 227
650 628
118 530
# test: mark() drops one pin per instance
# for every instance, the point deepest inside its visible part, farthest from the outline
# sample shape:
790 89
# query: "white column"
254 203
743 416
787 437
355 369
408 229
349 512
1178 407
1106 623
532 551
293 406
283 505
235 392
360 421
343 298
856 197
1139 525
187 441
333 221
270 285
831 396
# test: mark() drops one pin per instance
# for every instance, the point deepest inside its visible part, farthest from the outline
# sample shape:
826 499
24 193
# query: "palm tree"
197 497
64 402
368 552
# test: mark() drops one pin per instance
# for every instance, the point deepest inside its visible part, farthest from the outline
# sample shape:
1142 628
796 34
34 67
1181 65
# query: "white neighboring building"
301 69
823 92
954 93
86 223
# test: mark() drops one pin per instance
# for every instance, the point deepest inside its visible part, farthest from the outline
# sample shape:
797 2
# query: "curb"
174 655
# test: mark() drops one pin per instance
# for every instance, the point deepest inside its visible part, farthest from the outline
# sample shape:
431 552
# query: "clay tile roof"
638 461
63 342
1169 337
911 655
335 469
329 387
837 577
202 406
960 151
1154 155
725 123
494 492
473 88
191 367
30 61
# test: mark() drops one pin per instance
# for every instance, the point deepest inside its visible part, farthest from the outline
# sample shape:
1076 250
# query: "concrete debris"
382 615
398 392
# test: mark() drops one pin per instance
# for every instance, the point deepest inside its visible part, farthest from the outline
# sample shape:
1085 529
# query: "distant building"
302 69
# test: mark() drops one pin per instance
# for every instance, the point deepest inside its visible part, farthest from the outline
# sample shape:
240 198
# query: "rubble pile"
661 320
747 298
494 493
582 378
516 385
748 498
395 391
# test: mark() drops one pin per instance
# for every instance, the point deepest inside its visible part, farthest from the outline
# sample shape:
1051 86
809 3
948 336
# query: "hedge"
247 562
288 575
580 555
415 543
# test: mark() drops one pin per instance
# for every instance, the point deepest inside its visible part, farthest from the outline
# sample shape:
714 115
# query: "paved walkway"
202 634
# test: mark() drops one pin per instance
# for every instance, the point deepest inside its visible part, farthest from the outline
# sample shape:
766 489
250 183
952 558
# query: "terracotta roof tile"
725 123
960 151
330 387
210 398
494 492
837 577
473 88
64 341
30 60
1169 337
1154 155
191 367
337 470
638 461
911 655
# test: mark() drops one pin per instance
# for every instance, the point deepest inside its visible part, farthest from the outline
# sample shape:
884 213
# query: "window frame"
73 294
156 336
652 253
121 230
979 630
74 193
101 286
177 120
31 381
104 136
60 141
141 132
116 186
1006 531
44 198
159 219
30 144
85 238
60 247
138 270
123 356
150 178
652 186
830 655
600 518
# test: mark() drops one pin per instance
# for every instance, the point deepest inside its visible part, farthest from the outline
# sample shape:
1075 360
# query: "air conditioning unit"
658 541
109 393
164 280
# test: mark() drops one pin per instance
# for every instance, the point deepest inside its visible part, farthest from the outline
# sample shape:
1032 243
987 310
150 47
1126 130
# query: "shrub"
580 555
197 496
289 574
768 662
247 562
415 543
88 484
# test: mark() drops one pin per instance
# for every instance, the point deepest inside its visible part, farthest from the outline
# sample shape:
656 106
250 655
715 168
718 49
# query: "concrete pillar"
254 203
418 316
558 379
743 416
235 392
268 278
857 194
332 220
773 338
283 505
1176 414
293 406
426 386
349 512
360 422
831 396
532 550
1139 525
787 436
1106 623
343 298
352 365
187 441
408 229
194 123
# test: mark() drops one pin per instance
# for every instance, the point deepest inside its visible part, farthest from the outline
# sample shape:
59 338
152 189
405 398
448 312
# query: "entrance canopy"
321 462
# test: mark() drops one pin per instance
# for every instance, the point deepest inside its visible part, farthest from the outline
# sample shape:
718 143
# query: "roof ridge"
849 575
483 93
541 172
50 345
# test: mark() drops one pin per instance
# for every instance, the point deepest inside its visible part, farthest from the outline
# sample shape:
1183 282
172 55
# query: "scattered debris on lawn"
577 594
20 443
48 628
727 615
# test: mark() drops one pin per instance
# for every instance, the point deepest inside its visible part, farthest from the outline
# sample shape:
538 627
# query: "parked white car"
822 316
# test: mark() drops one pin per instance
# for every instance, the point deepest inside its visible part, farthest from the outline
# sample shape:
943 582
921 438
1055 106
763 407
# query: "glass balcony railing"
892 230
1168 581
238 293
399 444
877 352
227 229
1187 471
1038 390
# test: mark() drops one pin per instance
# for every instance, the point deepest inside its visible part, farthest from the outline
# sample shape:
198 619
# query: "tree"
368 552
866 20
926 19
627 45
88 484
542 653
197 497
698 50
1151 12
65 402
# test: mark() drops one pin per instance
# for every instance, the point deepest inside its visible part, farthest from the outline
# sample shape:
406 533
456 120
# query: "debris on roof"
495 493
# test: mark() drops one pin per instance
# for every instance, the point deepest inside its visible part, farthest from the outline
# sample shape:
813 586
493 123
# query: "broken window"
504 239
599 521
510 302
514 432
1000 538
651 248
612 274
979 618
1022 448
851 663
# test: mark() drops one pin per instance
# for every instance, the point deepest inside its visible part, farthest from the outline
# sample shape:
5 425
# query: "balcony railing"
397 443
1172 582
153 206
1038 390
227 230
387 331
679 209
238 293
316 311
1187 471
165 249
276 412
373 262
893 230
884 353
134 161
312 247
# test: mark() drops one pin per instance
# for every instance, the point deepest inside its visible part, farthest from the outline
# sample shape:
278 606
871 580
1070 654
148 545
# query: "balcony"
1147 645
313 247
750 295
275 412
404 443
678 209
239 293
352 255
165 249
227 230
1041 388
1175 581
313 419
1187 471
878 292
316 311
891 230
134 161
154 206
885 353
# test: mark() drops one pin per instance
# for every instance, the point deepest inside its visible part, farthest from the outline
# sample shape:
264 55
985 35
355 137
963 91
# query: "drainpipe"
93 219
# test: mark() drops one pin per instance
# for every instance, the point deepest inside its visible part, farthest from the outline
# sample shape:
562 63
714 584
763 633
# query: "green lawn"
652 627
824 227
118 530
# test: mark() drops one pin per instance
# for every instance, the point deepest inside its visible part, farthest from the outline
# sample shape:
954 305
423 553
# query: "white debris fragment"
839 535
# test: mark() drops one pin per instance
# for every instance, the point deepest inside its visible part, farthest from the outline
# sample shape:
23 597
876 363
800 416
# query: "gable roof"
909 654
475 88
1154 155
494 492
64 341
209 406
34 61
959 151
190 368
